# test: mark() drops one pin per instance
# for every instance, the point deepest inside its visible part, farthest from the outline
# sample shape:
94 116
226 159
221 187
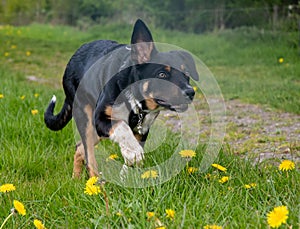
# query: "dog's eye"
162 75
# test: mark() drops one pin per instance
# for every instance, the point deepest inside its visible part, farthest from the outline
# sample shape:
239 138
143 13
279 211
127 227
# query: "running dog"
116 91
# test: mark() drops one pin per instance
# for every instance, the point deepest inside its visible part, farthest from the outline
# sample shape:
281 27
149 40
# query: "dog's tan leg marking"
78 160
91 140
131 150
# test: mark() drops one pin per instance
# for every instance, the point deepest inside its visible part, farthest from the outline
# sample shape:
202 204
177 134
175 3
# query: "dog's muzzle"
189 94
181 103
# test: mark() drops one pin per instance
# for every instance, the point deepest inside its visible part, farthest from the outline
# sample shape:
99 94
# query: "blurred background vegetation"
185 15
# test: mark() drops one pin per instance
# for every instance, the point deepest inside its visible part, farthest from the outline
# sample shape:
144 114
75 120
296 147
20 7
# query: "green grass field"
39 162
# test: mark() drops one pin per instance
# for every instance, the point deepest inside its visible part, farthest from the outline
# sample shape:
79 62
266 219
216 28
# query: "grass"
39 162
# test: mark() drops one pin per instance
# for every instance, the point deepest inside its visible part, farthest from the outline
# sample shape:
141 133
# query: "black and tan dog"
124 89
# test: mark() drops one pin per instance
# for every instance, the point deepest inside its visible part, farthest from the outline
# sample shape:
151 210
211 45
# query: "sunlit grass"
39 163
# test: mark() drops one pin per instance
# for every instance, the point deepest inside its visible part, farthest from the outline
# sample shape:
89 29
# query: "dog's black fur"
124 105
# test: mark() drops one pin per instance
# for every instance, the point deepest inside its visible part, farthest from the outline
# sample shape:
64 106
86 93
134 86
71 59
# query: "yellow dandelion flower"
280 60
119 214
150 215
247 186
22 97
36 95
92 181
38 224
149 174
286 165
219 167
224 179
187 153
1 96
170 213
7 188
6 54
34 112
278 216
195 88
91 187
112 157
13 46
253 185
160 227
19 207
192 170
92 190
213 226
28 53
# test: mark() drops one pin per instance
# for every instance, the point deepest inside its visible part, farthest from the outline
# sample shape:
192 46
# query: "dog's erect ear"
190 63
140 33
142 43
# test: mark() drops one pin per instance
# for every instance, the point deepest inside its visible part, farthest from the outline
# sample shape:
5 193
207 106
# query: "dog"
122 94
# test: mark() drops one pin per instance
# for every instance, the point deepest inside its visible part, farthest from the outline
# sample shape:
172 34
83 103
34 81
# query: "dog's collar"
136 106
138 110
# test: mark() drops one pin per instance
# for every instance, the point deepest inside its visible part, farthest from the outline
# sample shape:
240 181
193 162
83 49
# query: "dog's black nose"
189 93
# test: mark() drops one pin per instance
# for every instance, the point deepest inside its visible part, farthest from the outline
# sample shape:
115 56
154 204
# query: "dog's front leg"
131 150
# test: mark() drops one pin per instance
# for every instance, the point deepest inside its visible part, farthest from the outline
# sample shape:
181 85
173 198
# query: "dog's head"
165 75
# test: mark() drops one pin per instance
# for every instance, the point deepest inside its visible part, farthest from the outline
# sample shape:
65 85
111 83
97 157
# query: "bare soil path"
262 133
253 131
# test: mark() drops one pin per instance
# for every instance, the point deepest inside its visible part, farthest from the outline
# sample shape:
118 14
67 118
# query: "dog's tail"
59 121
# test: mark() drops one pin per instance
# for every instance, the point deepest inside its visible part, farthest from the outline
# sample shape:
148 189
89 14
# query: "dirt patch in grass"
262 133
253 131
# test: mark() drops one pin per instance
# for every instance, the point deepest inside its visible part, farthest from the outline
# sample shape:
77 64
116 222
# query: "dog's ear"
142 43
190 64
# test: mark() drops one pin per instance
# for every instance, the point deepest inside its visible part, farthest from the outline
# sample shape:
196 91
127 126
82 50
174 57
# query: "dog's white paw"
131 150
132 153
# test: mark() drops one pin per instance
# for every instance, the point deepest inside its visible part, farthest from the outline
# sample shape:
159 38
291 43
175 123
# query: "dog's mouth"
173 107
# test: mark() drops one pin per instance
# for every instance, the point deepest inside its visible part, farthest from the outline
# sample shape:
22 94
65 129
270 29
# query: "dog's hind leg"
85 151
91 139
78 160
